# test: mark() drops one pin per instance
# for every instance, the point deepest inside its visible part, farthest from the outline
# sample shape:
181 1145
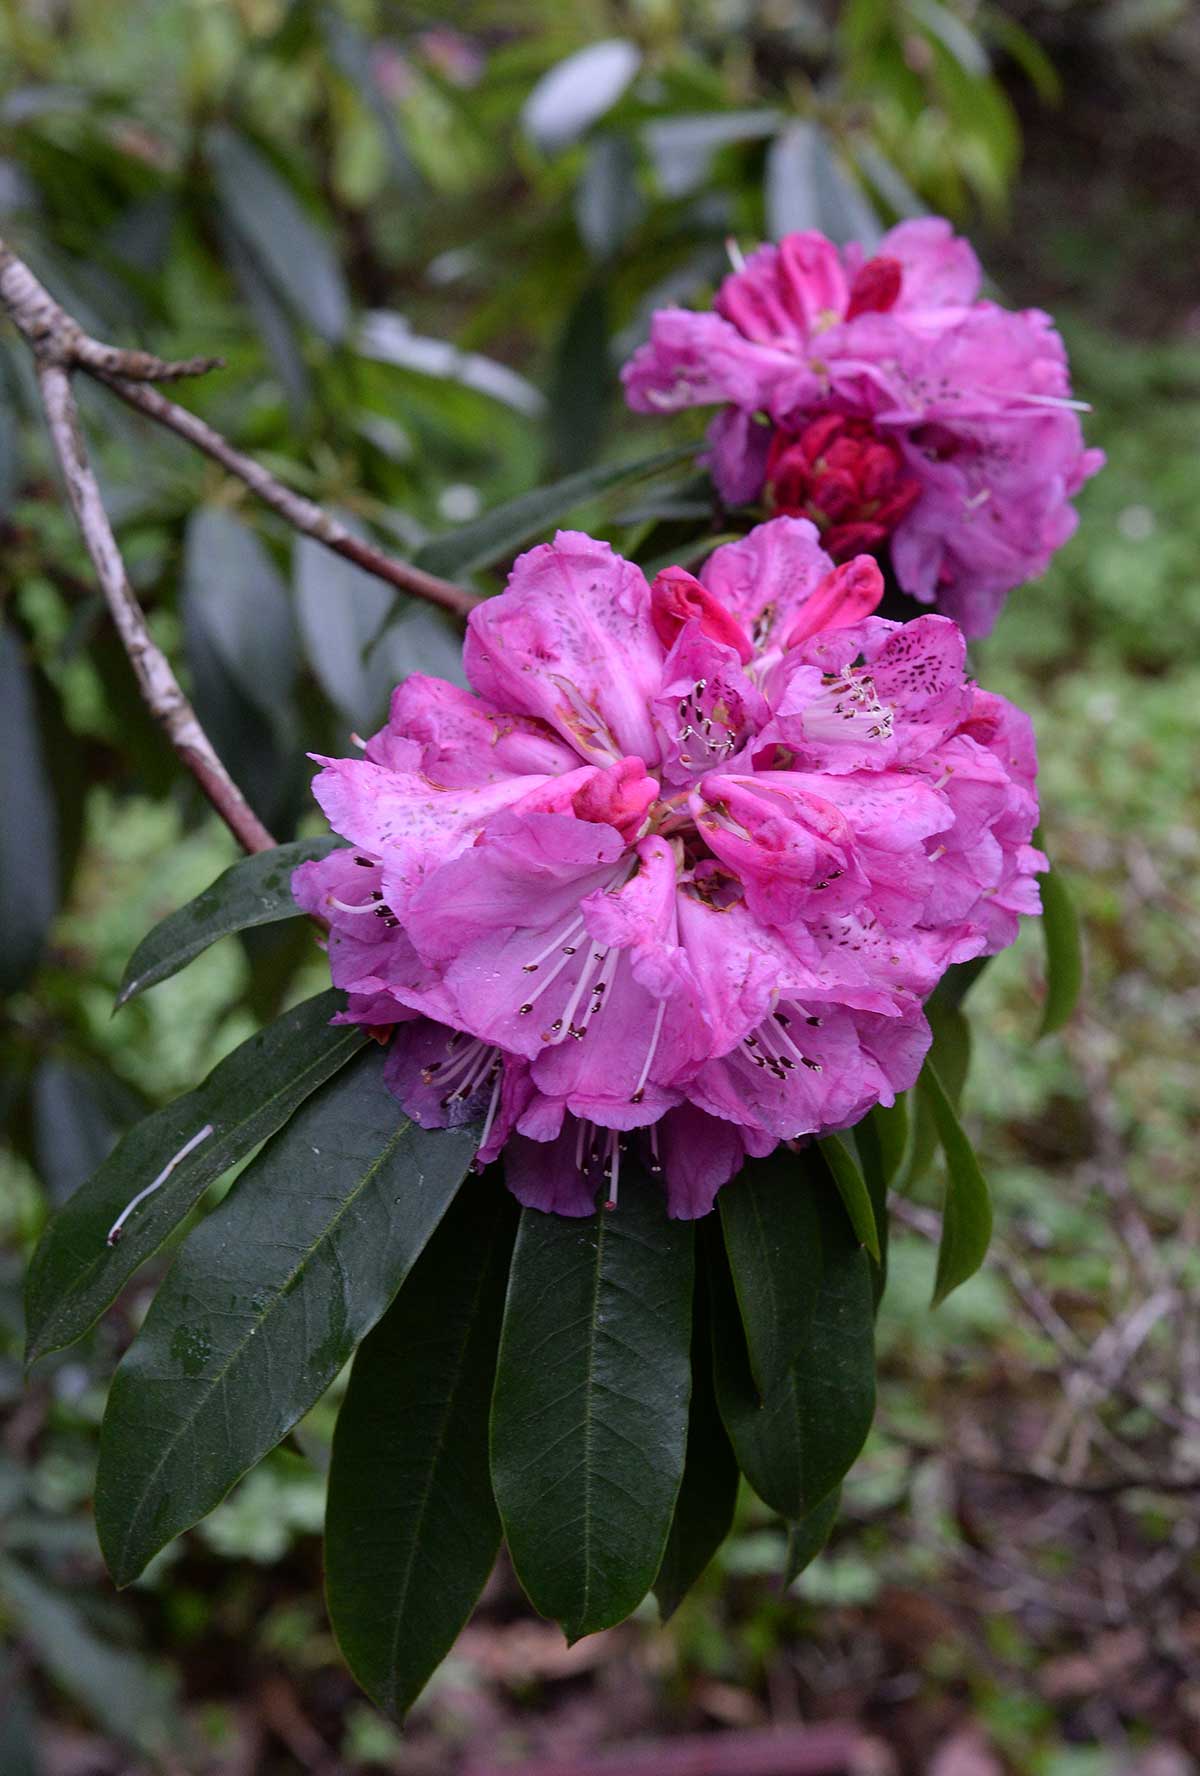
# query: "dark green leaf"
265 1302
708 1495
125 1694
254 891
682 148
807 186
502 531
876 1155
589 1419
852 1188
768 1218
1064 952
75 1274
269 768
607 203
967 1216
411 1528
808 1536
18 1728
582 383
72 1129
951 1056
233 590
28 831
276 229
342 610
795 1444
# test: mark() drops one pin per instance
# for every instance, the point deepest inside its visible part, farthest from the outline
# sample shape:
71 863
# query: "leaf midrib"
96 1264
259 1321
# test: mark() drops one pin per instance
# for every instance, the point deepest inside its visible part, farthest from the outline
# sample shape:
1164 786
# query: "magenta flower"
886 402
683 868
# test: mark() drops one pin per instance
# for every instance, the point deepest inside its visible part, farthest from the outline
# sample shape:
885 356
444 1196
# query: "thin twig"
56 338
302 514
156 680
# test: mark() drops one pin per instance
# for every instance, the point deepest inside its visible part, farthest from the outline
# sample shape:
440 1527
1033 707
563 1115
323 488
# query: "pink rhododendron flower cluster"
679 874
883 399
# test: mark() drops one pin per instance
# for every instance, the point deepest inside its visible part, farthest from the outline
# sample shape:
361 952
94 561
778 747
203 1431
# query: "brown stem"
56 338
156 680
302 514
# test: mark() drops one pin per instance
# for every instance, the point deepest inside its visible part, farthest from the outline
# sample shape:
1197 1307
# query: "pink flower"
677 876
884 400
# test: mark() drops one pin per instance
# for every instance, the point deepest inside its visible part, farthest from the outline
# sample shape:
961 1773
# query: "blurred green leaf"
74 1274
128 1697
29 829
342 610
276 230
577 92
255 890
411 1528
582 382
500 532
589 1419
607 202
72 1129
233 590
265 1302
950 1054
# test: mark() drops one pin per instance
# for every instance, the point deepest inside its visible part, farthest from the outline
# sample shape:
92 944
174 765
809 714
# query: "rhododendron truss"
678 874
883 399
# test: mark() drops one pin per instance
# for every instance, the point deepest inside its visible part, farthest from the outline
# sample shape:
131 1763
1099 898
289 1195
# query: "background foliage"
478 248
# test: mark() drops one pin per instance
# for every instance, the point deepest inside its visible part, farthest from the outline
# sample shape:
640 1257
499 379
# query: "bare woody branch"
302 514
56 338
156 680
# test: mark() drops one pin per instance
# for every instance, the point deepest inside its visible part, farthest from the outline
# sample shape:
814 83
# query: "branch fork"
60 347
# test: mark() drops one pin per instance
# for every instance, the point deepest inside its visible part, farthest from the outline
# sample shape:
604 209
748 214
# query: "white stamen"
492 1108
614 1168
344 906
640 1087
736 257
114 1232
564 936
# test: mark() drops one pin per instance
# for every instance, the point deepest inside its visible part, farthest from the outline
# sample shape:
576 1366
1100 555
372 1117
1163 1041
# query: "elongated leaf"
277 230
28 830
574 94
707 1498
234 591
852 1188
499 532
254 891
950 1054
411 1528
72 1130
607 201
774 1246
808 1536
120 1690
75 1274
1064 953
795 1443
265 1302
342 610
582 382
589 1418
967 1215
682 148
18 1729
878 1170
